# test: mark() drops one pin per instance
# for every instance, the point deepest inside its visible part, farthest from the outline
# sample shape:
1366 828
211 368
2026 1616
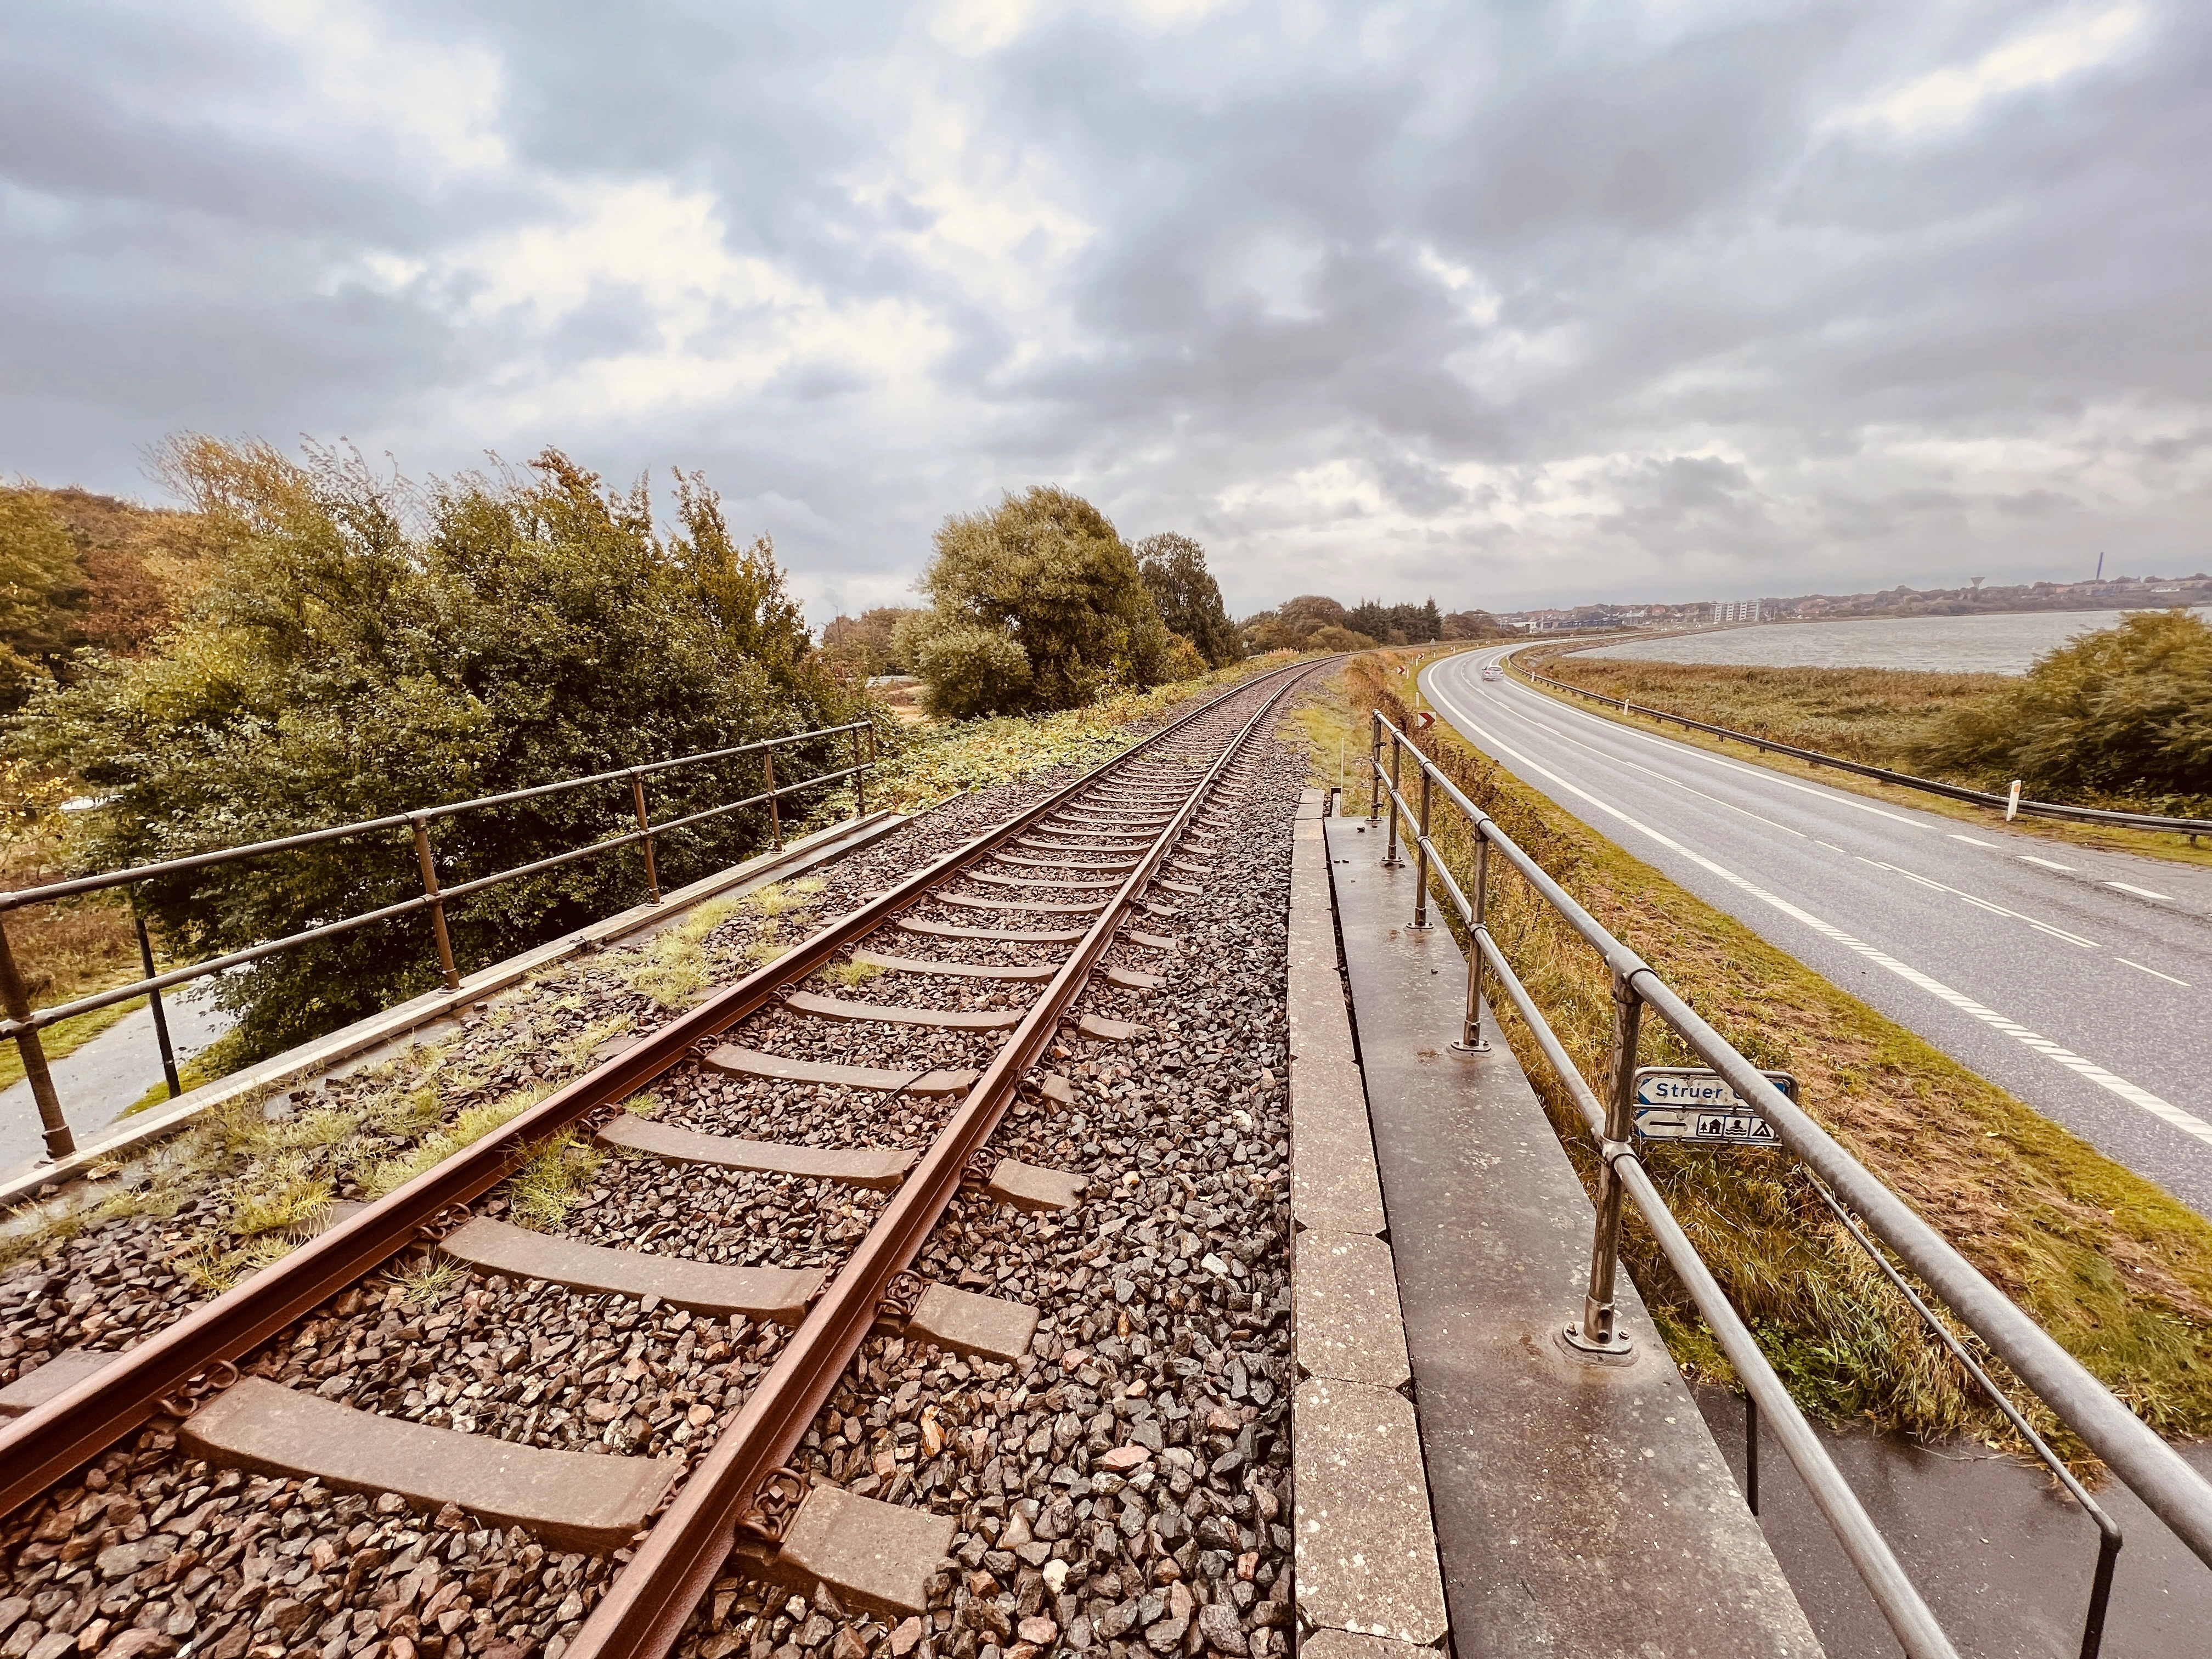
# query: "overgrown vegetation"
360 646
941 760
1873 715
1188 599
2120 718
2122 714
2119 1272
1035 605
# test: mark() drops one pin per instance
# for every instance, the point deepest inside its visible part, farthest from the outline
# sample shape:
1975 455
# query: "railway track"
796 1249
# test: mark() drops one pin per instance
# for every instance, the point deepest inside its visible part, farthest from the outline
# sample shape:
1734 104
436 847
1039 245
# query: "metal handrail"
23 1023
2169 1486
2192 828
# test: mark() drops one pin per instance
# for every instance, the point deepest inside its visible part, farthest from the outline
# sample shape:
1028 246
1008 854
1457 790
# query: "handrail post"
775 820
154 1002
860 764
637 799
1599 1332
1471 1040
1391 860
1421 856
1374 767
429 868
60 1143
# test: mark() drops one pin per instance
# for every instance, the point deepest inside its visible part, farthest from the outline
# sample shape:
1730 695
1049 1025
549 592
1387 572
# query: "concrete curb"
1369 1581
389 1031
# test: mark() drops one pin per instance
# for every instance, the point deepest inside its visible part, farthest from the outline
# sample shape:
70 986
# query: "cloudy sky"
1507 303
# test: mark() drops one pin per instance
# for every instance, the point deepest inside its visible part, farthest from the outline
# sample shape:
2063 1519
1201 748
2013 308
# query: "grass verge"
938 761
1872 716
2117 1271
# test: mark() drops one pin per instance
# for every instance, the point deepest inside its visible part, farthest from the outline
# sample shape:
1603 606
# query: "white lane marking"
2030 858
1994 909
2153 972
1971 841
1660 777
1836 796
1829 845
2188 1122
2142 892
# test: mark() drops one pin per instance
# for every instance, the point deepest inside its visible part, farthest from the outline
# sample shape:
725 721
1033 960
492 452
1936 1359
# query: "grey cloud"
1503 302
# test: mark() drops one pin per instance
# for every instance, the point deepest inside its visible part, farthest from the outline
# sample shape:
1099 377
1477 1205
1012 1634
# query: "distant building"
1741 610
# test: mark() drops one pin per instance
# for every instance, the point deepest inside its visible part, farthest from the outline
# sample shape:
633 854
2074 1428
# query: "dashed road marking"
1983 904
2153 972
2030 858
2187 1122
1971 841
2141 892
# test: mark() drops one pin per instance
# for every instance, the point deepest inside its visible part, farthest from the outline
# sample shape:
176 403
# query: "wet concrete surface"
2003 1555
108 1075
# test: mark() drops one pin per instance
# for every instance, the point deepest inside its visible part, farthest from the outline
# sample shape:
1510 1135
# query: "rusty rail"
644 1610
42 1445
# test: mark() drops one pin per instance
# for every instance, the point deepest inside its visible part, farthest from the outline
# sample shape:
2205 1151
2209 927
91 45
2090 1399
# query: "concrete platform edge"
1579 1508
1369 1581
402 1020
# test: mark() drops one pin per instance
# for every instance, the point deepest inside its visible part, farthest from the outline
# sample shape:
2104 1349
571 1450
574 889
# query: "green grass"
1875 716
2117 1271
556 1173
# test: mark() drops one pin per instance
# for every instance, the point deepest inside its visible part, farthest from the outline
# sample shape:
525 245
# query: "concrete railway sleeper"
973 1024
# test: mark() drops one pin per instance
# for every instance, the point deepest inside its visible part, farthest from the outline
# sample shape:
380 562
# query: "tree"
1187 598
866 644
38 572
362 647
1047 573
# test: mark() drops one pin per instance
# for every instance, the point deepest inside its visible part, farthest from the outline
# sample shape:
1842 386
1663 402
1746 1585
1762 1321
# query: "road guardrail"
2192 828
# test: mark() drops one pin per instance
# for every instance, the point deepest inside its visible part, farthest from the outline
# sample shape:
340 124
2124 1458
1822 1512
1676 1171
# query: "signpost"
1690 1105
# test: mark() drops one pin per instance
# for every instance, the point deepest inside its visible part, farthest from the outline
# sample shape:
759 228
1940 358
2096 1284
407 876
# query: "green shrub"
2121 713
1047 573
967 671
363 647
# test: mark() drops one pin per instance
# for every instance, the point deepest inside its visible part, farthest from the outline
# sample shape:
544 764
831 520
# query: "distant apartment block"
1741 610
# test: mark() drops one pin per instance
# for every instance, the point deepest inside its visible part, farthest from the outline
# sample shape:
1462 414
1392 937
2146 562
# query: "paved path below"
108 1074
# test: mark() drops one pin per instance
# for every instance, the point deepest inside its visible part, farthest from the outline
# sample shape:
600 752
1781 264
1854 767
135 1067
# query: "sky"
1505 304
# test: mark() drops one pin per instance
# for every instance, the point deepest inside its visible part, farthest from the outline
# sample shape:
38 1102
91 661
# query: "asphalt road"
2080 980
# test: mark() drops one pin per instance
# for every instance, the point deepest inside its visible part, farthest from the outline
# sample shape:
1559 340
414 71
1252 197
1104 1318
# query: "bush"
1336 639
969 670
1047 573
362 647
1185 661
2124 713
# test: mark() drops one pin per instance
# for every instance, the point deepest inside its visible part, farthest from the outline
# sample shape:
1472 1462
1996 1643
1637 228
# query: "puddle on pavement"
2003 1557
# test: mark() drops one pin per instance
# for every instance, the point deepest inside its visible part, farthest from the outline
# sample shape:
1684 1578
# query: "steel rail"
2145 1463
2043 809
43 1445
643 1613
18 897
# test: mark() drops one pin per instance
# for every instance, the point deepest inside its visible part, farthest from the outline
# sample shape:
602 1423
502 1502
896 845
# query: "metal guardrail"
24 1023
2172 1491
2192 828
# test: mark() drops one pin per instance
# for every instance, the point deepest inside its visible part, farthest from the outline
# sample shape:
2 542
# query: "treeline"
83 573
1313 623
1039 604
